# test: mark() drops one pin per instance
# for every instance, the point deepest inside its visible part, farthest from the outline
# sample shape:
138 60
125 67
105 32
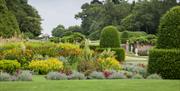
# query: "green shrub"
86 67
43 48
119 52
45 66
9 66
74 37
169 29
154 76
110 37
165 62
55 39
124 37
137 76
23 57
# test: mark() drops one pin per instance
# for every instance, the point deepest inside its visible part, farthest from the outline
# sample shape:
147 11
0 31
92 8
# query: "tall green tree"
8 23
59 31
146 15
27 16
95 16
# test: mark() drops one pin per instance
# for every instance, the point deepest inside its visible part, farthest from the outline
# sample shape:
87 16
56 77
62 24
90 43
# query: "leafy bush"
56 76
137 76
67 49
9 66
87 53
110 37
25 76
124 37
77 76
96 75
86 67
5 77
43 48
108 64
169 29
117 75
21 55
74 37
45 66
119 53
154 76
165 62
55 39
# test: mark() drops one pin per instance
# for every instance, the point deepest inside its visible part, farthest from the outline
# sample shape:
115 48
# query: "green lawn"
137 59
40 84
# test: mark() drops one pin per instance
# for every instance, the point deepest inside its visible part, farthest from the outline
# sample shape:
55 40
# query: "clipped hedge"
165 62
110 37
120 53
169 29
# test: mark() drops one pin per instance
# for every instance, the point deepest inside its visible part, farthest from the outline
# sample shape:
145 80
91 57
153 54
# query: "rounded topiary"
110 37
169 29
124 37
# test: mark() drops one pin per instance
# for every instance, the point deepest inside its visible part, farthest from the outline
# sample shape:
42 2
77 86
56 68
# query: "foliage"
95 35
68 49
5 77
76 29
73 38
8 23
119 53
25 76
43 48
59 31
45 66
107 53
137 76
109 63
9 66
110 37
124 37
169 29
96 75
165 62
97 15
55 39
77 76
87 53
27 16
56 76
146 14
154 76
86 67
22 56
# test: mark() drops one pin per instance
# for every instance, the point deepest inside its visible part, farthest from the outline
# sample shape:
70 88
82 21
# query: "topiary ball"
169 29
110 37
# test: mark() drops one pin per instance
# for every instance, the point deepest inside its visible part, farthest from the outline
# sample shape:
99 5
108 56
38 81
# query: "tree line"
141 15
18 17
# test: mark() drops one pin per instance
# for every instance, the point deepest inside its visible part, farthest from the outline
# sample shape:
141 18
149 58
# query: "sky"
57 12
